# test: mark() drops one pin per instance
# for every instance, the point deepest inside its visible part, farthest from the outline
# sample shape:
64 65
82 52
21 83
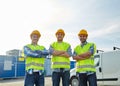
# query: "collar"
82 44
34 44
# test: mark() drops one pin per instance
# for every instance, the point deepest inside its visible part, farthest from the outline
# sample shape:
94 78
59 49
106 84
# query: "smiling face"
35 39
60 37
82 38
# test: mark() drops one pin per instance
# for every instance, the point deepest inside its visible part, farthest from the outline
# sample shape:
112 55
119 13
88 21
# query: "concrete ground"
20 82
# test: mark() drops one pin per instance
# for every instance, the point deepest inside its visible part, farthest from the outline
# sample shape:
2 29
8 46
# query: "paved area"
20 82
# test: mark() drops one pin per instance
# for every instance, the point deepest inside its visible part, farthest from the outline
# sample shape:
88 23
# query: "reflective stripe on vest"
86 66
60 61
35 64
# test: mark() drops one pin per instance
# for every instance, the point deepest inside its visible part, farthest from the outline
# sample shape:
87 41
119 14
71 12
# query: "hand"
76 57
45 52
39 52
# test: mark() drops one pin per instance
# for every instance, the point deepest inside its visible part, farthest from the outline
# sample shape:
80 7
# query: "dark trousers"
34 79
56 78
84 78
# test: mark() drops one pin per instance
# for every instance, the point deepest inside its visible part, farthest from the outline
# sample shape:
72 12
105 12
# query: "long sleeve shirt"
35 53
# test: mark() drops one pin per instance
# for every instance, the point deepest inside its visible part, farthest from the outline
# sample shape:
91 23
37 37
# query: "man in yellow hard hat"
61 52
35 56
84 56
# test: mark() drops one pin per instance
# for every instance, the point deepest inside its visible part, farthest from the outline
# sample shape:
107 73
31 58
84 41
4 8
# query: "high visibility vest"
87 64
35 63
60 61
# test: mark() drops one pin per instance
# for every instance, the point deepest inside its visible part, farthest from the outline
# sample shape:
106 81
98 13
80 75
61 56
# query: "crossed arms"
66 54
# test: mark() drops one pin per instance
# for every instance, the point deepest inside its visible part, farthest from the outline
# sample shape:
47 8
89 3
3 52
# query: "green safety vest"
60 61
87 64
35 63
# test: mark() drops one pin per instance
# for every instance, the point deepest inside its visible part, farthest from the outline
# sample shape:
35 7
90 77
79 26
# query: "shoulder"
41 46
27 45
91 43
53 43
77 46
66 43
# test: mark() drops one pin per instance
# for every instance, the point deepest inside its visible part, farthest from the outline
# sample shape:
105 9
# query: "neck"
34 43
59 41
83 42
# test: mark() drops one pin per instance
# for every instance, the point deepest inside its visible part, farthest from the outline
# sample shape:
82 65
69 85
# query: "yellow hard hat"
36 32
60 31
83 32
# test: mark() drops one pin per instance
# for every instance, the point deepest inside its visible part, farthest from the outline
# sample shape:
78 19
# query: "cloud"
107 30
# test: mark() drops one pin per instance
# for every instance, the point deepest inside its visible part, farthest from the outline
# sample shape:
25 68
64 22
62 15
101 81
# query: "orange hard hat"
36 32
60 31
83 32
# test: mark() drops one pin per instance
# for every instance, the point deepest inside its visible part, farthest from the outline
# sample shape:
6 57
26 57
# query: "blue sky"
18 18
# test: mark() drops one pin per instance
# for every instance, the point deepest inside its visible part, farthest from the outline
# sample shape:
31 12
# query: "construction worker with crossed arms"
34 59
61 52
84 56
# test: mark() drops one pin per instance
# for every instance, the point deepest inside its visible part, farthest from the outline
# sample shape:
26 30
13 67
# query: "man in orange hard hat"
35 57
84 56
61 52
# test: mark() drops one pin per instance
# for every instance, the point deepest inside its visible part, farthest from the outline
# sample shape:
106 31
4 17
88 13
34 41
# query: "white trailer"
107 69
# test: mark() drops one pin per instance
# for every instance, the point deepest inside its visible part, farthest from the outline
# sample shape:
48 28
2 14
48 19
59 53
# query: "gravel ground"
20 82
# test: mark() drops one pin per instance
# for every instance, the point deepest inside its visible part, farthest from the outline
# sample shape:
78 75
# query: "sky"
18 18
